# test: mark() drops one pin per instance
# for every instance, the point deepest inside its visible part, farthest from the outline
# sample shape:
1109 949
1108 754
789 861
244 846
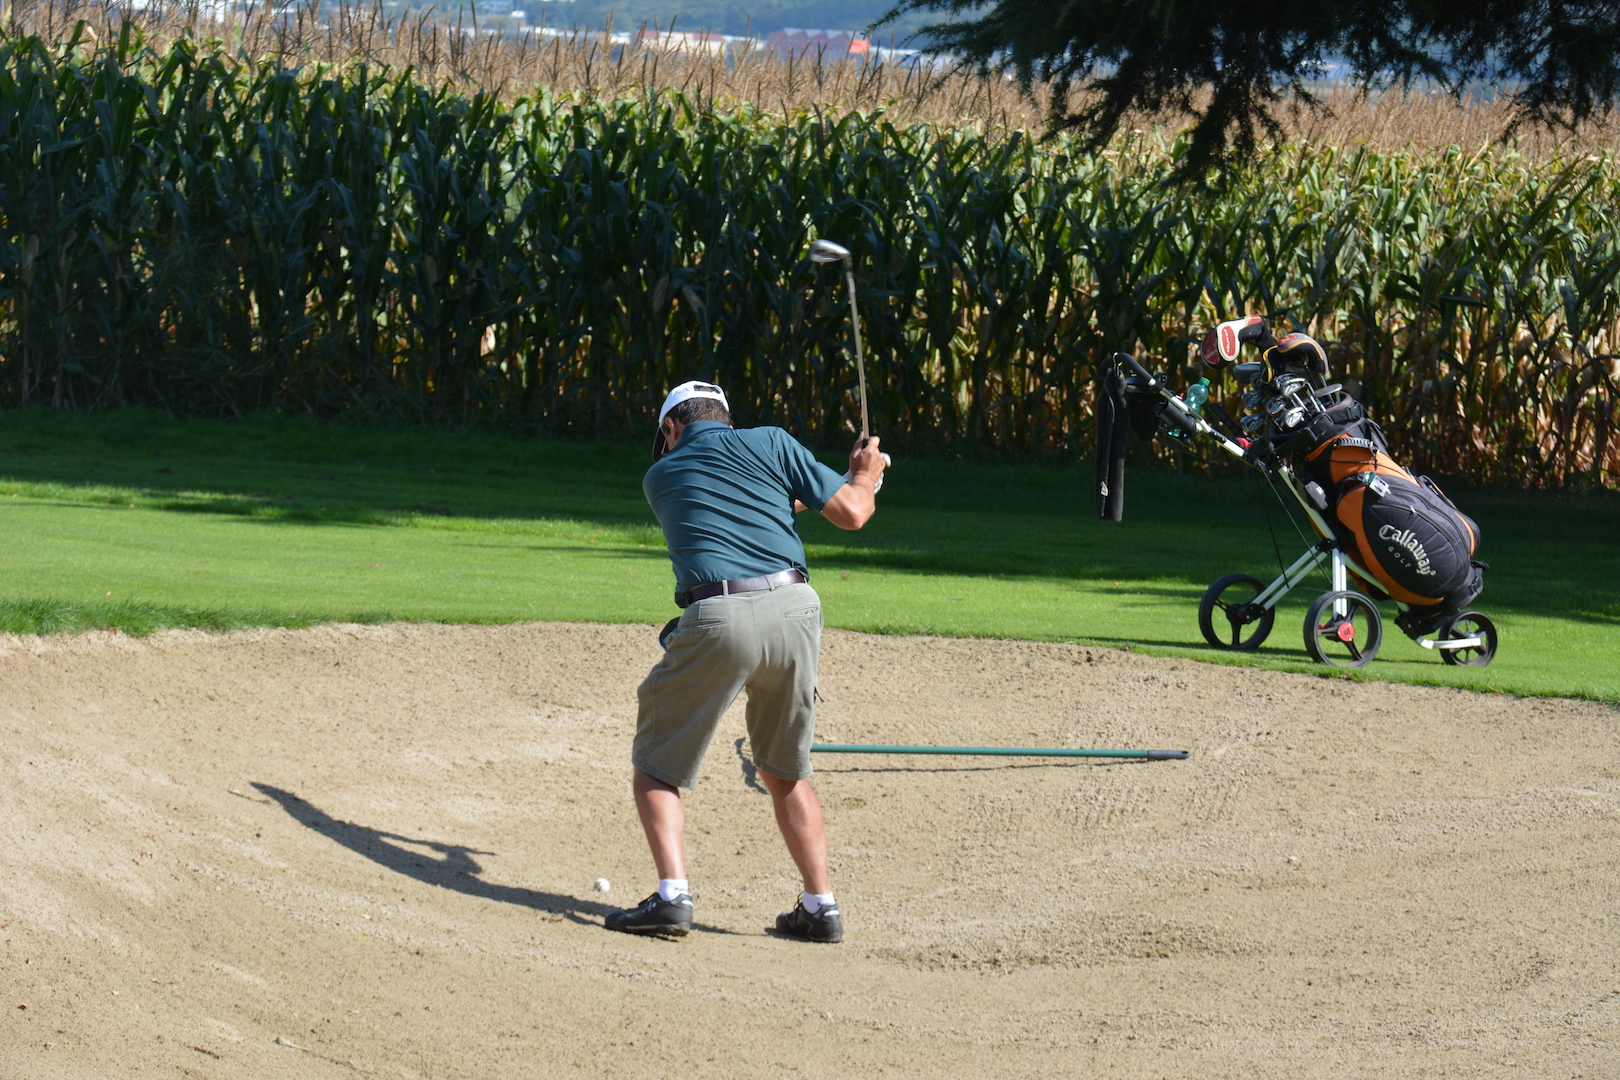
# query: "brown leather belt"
688 597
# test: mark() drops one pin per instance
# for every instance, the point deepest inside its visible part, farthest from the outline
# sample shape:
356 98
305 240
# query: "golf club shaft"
860 363
999 751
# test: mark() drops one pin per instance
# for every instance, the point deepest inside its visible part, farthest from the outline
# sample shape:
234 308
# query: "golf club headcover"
1302 350
1221 345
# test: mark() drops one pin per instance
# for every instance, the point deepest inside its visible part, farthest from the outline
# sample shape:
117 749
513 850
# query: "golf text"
1405 539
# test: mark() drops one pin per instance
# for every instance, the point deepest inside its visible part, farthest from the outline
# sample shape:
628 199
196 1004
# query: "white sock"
671 887
815 901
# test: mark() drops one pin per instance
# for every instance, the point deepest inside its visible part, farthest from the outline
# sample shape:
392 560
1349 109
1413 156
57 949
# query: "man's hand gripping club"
853 504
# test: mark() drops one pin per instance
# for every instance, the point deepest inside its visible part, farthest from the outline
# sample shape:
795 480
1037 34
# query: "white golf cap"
684 392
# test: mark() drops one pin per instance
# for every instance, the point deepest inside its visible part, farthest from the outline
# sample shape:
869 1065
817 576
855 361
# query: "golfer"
725 500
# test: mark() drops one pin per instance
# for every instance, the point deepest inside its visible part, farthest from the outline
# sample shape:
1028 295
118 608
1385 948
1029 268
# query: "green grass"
134 521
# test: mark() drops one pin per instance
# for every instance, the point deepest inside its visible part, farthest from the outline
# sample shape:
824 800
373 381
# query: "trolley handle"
1161 386
1178 408
1131 362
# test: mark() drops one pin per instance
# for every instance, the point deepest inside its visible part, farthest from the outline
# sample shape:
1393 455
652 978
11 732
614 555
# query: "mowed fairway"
230 562
133 521
368 850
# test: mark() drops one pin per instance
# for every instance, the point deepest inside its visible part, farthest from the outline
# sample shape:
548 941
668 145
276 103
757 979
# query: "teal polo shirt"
724 498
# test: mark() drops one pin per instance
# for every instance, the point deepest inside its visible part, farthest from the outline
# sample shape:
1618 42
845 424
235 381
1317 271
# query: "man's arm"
852 505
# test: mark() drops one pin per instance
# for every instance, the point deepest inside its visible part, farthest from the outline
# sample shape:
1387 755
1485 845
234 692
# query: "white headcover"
684 392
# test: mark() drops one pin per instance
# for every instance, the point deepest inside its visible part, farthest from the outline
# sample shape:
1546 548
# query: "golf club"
825 251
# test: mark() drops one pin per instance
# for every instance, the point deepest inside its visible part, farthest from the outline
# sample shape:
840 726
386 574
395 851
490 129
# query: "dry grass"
1420 120
610 64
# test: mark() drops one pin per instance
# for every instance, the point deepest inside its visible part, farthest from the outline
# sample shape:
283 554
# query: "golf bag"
1392 534
1413 540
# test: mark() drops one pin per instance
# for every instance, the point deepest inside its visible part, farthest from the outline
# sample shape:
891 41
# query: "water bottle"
1196 395
1193 400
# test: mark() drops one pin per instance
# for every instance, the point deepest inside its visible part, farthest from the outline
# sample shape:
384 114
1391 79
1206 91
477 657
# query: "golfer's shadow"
454 868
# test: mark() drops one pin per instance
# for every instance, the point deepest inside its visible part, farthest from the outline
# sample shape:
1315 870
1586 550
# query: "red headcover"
1222 343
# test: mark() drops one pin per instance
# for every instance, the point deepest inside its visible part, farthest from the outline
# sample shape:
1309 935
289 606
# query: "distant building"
817 42
684 44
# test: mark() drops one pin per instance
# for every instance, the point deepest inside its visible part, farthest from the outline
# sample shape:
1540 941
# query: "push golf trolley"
1385 535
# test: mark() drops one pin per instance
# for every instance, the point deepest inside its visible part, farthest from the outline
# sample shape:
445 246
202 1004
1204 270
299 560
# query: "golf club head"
825 251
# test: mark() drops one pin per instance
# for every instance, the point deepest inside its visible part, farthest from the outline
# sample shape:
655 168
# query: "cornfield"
209 229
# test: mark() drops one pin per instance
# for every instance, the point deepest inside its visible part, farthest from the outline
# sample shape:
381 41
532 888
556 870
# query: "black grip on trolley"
1167 755
1113 427
1105 438
1116 449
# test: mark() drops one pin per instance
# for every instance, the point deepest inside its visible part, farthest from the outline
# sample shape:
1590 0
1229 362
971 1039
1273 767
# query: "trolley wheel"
1467 624
1233 595
1348 640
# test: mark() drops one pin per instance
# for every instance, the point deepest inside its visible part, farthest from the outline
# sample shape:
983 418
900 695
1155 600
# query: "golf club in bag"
1391 535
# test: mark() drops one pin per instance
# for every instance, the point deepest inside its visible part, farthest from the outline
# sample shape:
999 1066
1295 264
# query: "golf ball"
601 885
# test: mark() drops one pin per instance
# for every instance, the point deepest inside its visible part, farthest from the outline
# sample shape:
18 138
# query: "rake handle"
998 751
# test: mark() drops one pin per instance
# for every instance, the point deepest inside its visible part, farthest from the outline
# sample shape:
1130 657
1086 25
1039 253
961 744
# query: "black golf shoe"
654 915
825 925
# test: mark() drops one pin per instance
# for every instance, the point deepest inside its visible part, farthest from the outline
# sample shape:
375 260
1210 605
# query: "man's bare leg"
798 815
663 819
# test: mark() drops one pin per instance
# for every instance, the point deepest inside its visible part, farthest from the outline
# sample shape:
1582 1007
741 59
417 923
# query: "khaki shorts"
766 642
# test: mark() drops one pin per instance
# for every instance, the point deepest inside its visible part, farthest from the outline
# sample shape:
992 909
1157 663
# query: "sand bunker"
369 850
